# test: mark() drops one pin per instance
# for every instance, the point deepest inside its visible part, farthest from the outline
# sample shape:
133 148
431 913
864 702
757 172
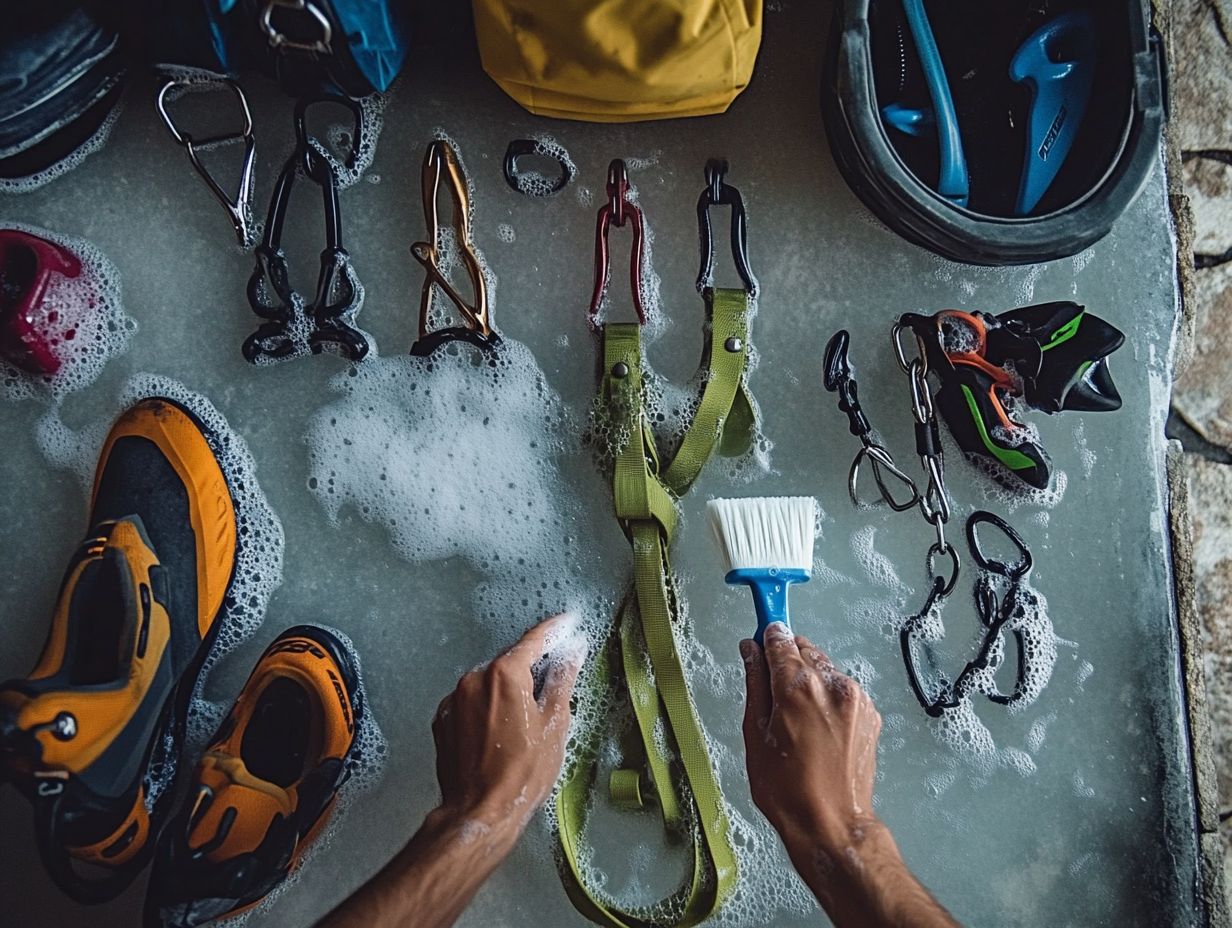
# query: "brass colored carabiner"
441 166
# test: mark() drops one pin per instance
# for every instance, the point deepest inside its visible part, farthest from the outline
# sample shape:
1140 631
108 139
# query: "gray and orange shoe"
91 736
266 785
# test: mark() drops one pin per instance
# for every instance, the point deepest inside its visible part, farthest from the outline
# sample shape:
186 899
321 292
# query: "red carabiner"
618 211
27 265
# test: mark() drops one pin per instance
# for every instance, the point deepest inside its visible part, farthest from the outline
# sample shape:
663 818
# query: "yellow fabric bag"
620 60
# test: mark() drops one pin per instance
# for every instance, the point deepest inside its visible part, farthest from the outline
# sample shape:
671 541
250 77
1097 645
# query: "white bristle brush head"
765 531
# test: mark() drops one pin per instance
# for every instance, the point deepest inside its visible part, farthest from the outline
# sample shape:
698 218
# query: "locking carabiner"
238 208
441 165
719 193
618 211
337 296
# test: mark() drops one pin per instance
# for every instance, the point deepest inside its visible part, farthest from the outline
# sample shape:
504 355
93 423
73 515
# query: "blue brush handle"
769 586
952 183
1057 63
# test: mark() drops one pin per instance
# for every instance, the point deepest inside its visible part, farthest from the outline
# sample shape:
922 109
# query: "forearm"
863 882
431 881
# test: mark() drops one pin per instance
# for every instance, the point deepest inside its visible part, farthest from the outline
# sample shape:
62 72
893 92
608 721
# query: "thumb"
757 703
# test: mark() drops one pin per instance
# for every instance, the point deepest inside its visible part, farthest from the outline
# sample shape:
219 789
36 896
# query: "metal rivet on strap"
620 370
733 344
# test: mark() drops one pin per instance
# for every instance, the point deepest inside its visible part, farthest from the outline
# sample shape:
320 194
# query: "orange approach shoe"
92 734
266 785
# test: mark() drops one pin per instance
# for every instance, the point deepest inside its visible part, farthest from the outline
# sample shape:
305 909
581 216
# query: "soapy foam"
338 139
71 161
84 320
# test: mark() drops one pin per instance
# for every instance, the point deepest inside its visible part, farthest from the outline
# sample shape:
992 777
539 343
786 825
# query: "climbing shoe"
266 785
91 736
1052 357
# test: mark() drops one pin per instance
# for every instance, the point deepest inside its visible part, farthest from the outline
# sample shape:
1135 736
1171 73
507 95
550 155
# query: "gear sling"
645 489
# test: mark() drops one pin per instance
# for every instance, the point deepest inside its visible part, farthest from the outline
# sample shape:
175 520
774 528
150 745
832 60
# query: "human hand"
810 735
499 749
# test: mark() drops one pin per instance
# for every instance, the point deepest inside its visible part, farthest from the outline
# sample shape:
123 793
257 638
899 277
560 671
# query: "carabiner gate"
618 211
720 193
441 165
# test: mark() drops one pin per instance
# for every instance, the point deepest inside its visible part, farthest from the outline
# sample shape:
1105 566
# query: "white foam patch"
83 318
506 233
876 566
71 161
365 764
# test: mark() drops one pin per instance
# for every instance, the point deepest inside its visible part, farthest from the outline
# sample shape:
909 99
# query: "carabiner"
337 297
441 164
238 208
535 184
720 193
1015 571
618 211
317 19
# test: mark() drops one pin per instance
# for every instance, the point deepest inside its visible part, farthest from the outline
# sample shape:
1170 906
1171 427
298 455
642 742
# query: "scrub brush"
767 544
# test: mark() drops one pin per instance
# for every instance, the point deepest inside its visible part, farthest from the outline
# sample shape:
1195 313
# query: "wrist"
477 825
834 854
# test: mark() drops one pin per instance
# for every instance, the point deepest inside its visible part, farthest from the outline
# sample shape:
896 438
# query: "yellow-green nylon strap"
654 678
724 409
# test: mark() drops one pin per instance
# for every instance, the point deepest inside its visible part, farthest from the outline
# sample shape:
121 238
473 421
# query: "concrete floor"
1201 71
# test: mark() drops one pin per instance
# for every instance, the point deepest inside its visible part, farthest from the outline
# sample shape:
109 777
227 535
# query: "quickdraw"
641 651
934 505
327 318
994 617
442 166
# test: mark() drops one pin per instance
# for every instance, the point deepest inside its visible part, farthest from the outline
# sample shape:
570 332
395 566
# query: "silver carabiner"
880 458
920 347
956 567
238 207
321 46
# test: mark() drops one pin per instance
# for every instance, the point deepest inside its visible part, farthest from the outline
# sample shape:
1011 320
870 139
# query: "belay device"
670 759
1054 356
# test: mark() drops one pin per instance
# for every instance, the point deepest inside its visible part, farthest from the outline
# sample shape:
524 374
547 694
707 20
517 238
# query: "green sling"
644 494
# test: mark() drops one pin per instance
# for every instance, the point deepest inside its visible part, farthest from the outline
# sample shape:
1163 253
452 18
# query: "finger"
558 684
812 653
534 643
757 703
783 660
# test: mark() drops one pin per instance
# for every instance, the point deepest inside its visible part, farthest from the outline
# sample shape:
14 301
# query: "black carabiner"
336 294
618 211
1015 571
719 193
522 183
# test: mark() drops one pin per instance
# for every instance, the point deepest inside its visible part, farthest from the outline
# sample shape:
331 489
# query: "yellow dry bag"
620 60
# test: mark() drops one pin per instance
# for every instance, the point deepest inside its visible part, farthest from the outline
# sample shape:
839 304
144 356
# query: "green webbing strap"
649 662
724 409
